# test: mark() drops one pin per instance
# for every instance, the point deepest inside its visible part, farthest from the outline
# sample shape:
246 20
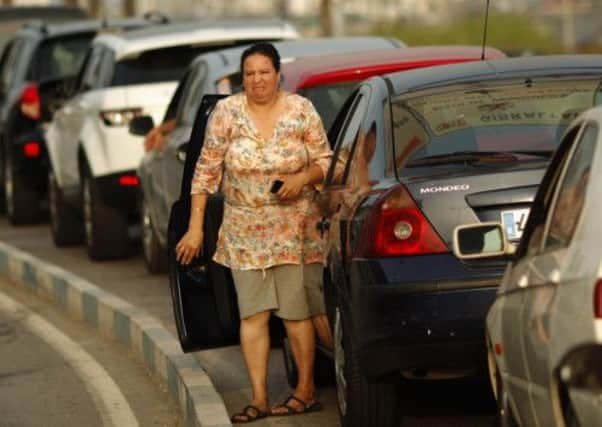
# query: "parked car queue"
423 152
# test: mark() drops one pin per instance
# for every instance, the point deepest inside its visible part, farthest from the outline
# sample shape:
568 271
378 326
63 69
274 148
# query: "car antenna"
485 31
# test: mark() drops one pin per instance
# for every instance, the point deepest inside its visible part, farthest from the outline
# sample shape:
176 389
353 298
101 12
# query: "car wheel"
65 223
106 229
362 402
22 202
155 256
505 416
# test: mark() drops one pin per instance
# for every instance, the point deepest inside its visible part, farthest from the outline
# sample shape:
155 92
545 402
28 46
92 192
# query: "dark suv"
36 68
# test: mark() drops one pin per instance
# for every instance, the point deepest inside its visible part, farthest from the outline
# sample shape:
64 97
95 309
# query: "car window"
10 64
328 99
192 95
347 140
91 72
570 194
154 66
531 241
525 121
59 57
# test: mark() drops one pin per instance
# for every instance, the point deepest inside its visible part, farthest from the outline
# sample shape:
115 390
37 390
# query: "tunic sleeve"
316 140
209 166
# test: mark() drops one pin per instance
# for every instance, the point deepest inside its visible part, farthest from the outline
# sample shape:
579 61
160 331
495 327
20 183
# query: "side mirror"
181 152
141 125
482 240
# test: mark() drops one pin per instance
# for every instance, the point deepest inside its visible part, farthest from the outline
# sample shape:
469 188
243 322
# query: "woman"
268 236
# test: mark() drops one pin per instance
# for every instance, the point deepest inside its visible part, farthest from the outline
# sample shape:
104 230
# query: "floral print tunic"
258 230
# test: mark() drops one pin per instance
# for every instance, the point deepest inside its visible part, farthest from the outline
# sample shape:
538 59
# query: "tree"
129 7
326 21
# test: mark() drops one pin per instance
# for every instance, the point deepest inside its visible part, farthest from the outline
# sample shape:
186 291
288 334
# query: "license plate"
514 222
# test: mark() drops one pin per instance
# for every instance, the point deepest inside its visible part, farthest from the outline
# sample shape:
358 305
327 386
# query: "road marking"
110 402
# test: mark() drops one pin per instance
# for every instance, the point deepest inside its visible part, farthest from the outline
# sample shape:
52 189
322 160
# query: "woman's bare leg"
302 338
255 344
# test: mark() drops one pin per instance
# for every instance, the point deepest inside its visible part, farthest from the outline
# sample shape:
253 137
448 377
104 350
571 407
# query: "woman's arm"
190 245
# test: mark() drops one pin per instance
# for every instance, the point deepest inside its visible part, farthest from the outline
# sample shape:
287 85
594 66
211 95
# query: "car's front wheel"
22 202
362 401
505 417
106 229
155 255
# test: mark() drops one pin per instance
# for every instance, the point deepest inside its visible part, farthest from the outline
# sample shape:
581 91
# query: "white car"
544 330
93 158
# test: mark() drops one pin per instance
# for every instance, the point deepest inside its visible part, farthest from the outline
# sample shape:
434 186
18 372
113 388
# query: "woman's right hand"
189 246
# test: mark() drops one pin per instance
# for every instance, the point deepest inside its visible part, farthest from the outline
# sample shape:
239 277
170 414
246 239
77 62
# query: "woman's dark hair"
265 49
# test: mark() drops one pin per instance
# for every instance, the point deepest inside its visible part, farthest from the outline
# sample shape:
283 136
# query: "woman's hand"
189 246
292 186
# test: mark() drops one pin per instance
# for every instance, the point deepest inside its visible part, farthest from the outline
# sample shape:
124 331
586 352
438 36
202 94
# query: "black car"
37 67
416 154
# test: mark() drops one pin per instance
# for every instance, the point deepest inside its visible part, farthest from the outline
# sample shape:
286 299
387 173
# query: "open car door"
203 294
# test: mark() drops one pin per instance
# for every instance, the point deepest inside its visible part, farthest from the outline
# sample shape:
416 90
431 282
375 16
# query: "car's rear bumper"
423 325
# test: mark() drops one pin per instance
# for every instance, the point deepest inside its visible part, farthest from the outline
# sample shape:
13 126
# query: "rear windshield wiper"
476 156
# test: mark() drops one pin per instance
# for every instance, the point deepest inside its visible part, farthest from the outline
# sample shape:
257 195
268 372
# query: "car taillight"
31 149
30 102
396 226
598 300
128 180
120 117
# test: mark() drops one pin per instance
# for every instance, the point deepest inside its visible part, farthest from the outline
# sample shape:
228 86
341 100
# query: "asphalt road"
450 404
55 371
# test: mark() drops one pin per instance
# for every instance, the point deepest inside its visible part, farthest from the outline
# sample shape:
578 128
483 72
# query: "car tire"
323 367
106 229
65 223
155 255
22 202
505 416
361 401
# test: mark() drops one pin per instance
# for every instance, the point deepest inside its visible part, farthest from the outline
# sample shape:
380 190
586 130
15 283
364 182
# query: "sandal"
249 414
289 409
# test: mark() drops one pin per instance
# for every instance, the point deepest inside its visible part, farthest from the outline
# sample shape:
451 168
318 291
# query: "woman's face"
260 78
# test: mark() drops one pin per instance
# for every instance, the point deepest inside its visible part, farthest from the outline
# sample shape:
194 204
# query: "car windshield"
504 121
60 57
154 66
328 99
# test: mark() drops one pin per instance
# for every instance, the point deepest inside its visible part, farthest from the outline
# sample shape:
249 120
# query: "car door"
334 206
522 275
548 270
203 295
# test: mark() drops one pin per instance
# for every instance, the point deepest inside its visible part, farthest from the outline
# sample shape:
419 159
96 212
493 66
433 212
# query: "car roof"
200 32
498 69
37 27
291 49
318 70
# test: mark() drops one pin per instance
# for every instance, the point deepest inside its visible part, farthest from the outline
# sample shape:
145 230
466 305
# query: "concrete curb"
154 346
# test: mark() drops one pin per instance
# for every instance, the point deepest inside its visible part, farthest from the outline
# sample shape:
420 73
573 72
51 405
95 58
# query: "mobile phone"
276 186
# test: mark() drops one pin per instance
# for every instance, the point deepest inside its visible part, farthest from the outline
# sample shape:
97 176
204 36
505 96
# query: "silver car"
544 330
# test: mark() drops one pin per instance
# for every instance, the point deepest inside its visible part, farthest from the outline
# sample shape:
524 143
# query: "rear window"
515 120
60 57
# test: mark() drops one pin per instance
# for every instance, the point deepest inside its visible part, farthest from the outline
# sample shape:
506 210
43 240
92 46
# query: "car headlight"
121 117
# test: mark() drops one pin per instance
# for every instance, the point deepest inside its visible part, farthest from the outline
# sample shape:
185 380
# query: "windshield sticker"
549 103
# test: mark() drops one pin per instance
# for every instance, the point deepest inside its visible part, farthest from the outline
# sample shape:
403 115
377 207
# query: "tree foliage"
508 32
